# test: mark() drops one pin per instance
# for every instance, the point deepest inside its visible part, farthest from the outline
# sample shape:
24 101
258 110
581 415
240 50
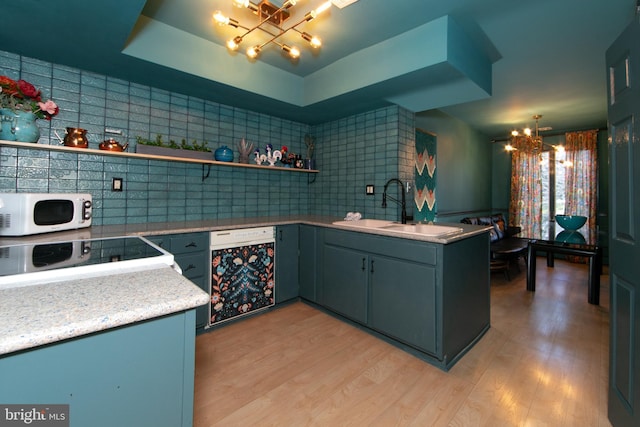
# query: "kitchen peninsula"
122 346
118 349
426 294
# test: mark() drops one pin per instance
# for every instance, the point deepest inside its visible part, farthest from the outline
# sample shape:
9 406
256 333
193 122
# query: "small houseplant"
159 147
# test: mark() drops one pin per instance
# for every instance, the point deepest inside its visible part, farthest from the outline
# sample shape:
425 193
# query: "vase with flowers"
20 106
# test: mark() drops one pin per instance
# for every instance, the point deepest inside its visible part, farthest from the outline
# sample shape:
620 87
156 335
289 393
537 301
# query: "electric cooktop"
27 263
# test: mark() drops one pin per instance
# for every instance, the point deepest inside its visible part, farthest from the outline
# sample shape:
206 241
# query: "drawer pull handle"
192 245
372 266
189 267
364 264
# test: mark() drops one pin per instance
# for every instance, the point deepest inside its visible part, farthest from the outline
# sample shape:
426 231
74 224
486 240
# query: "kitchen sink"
423 229
430 230
365 223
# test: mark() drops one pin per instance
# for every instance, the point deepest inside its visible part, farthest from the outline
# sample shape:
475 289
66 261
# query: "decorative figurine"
244 149
259 158
272 156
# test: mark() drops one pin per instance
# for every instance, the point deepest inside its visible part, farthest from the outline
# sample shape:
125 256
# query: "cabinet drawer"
191 265
188 243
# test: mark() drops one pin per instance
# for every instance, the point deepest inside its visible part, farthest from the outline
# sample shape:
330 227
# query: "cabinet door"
286 269
403 301
192 265
344 285
308 259
191 253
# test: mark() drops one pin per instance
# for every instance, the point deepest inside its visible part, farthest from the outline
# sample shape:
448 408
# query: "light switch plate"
370 190
116 184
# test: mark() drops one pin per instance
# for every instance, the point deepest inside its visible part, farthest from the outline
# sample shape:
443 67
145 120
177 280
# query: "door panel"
345 282
624 270
404 309
287 269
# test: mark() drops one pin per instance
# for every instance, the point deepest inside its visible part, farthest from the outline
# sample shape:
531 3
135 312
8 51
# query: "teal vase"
18 126
6 123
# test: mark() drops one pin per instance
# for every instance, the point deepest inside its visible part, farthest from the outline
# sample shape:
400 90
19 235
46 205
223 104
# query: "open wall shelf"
35 146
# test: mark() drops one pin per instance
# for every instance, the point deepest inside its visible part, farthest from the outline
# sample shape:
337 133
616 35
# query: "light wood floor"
543 363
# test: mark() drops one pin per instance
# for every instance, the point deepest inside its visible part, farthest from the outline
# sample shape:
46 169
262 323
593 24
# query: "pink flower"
49 106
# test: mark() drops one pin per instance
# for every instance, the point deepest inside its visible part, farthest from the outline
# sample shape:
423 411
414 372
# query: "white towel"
353 216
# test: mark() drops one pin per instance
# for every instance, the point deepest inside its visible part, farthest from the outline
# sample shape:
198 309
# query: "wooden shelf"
35 146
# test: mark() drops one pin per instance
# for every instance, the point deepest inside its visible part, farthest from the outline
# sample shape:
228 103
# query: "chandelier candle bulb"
293 52
253 52
220 18
234 44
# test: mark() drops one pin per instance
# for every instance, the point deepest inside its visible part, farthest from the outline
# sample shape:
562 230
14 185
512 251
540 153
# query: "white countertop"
161 228
40 314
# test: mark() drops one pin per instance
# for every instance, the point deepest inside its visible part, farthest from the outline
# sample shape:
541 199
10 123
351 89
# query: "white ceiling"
544 57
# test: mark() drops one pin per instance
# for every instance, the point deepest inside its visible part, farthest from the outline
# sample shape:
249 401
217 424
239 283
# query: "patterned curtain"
525 206
581 180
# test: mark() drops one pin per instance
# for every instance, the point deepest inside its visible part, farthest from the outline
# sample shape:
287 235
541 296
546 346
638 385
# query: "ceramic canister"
223 154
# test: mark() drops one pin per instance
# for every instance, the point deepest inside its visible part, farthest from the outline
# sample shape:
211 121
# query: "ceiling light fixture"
535 142
274 16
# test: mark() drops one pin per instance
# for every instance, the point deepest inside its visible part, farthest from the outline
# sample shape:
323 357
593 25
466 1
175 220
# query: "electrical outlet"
408 186
113 131
370 190
116 184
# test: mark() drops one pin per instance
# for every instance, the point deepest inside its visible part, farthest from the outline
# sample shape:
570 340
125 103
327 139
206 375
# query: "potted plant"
20 106
159 147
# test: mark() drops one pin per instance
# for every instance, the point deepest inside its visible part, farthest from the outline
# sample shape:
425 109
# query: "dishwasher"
242 272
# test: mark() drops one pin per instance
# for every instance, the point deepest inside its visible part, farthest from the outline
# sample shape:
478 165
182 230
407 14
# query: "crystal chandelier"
270 21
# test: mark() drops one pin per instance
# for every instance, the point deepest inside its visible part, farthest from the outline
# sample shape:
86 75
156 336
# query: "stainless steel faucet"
402 202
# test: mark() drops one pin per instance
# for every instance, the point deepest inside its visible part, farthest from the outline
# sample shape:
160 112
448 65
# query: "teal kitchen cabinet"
345 281
402 297
429 298
140 374
308 260
286 268
191 253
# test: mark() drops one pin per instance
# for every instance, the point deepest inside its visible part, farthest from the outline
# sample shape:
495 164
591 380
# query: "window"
553 176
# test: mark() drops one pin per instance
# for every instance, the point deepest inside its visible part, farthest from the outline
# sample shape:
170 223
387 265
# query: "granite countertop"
162 228
44 313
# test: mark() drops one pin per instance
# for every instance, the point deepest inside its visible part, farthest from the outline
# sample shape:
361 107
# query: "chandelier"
535 142
270 21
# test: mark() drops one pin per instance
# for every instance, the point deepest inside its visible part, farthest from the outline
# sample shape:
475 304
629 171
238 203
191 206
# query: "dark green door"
308 261
286 262
345 282
623 66
403 301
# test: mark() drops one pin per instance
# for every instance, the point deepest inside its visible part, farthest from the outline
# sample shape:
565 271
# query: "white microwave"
23 214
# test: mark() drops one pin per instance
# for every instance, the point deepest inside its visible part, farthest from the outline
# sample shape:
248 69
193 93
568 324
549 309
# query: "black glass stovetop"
33 257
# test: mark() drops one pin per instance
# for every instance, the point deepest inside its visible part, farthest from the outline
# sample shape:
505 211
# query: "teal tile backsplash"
350 153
